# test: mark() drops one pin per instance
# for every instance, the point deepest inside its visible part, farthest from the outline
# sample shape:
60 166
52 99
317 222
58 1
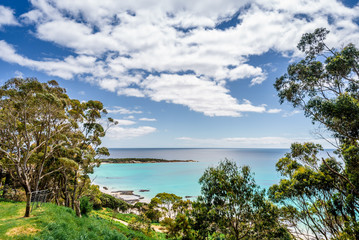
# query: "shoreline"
126 195
130 197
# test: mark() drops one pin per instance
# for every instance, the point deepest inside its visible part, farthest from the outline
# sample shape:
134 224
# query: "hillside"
55 222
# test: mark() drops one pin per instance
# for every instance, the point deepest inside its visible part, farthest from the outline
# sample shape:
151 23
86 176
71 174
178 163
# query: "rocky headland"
141 160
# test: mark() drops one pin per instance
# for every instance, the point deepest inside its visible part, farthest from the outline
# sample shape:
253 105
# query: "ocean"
181 178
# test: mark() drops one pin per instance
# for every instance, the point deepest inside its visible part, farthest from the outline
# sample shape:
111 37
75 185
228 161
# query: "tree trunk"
28 204
1 176
77 208
66 197
57 199
74 193
6 184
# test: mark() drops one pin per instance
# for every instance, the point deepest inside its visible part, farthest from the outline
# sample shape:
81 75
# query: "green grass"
55 222
122 216
109 213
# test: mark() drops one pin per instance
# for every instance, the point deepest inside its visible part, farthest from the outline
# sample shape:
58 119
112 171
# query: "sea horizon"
182 178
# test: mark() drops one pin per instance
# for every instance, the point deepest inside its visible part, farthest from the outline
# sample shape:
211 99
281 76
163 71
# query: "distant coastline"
141 160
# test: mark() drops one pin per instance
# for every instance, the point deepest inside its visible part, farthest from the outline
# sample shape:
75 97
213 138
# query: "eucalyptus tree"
85 143
32 123
167 202
233 205
82 151
323 192
44 133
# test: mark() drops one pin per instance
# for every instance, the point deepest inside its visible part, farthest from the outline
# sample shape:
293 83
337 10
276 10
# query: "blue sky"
174 73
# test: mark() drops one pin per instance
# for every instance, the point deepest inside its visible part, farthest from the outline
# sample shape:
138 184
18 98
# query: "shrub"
85 206
109 201
141 224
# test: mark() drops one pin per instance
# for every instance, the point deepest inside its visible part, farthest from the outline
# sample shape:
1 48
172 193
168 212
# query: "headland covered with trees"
49 141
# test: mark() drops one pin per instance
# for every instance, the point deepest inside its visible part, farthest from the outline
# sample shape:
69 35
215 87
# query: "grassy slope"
55 222
121 216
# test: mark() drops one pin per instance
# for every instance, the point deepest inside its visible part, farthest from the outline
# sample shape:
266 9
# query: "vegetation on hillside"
49 141
55 222
320 195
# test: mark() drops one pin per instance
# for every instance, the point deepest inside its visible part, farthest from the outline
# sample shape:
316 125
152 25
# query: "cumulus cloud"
65 68
7 17
197 93
174 51
118 132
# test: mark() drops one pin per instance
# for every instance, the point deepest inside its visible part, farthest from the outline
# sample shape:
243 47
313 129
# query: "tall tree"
232 203
43 132
325 85
32 120
167 202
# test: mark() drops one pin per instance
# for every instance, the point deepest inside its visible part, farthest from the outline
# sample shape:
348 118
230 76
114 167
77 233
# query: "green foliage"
55 222
166 201
233 204
321 194
180 227
108 201
49 141
126 216
153 214
85 206
142 224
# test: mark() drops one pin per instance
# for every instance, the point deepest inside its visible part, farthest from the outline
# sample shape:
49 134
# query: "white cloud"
274 110
118 132
66 68
121 110
249 142
198 93
289 114
124 122
19 74
131 92
7 17
115 44
148 119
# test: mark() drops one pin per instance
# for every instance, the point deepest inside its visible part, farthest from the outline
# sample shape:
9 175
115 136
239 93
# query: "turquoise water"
181 178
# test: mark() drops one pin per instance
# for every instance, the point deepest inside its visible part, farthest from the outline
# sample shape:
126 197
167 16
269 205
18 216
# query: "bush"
109 201
141 224
85 206
153 214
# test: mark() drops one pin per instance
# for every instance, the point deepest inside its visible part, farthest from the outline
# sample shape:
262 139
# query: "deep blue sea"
181 178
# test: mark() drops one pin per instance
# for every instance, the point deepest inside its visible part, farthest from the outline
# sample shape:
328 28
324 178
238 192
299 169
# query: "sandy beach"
125 195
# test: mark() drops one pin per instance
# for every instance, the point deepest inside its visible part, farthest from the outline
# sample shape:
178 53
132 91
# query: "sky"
175 73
